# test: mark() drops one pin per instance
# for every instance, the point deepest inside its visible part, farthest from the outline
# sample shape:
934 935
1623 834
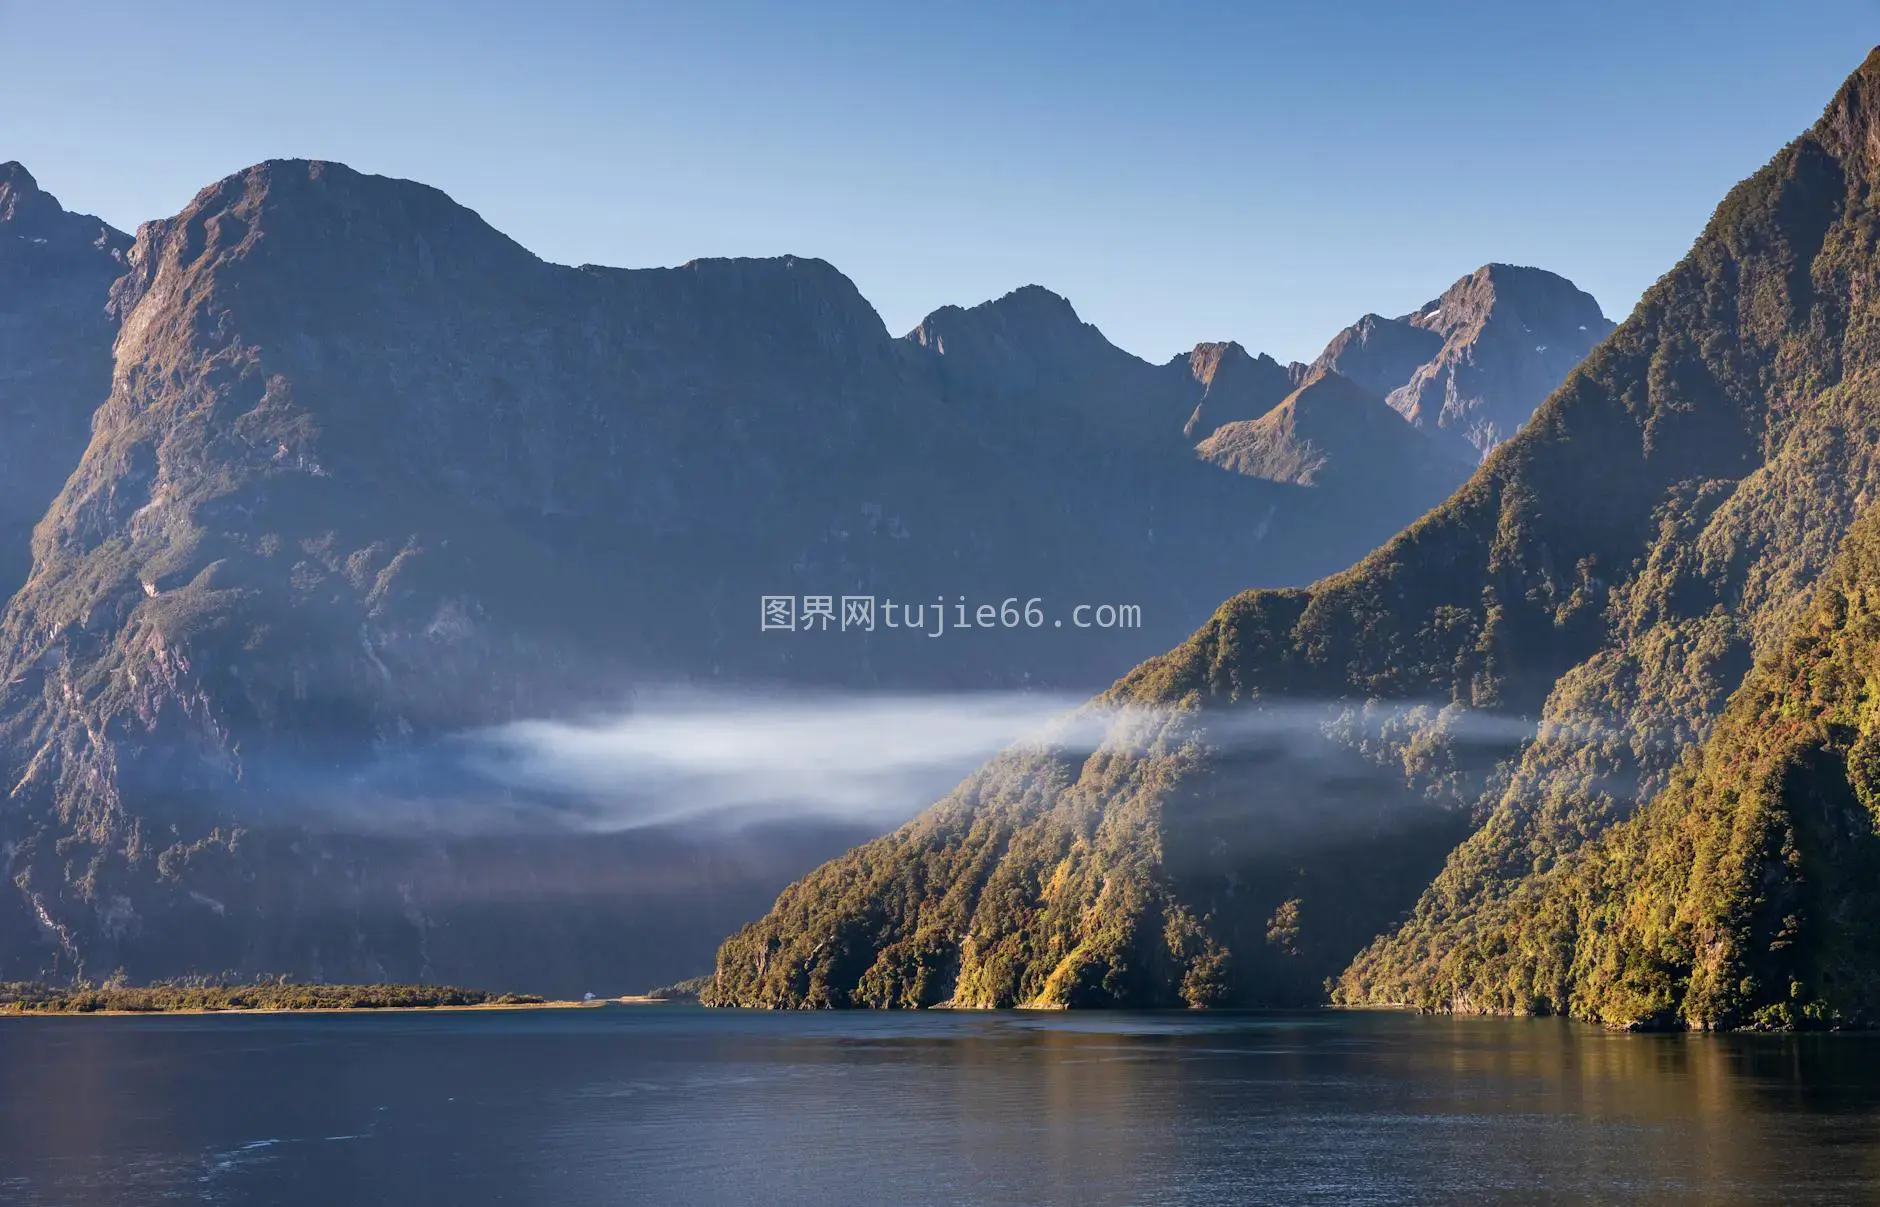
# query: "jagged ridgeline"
56 269
1515 671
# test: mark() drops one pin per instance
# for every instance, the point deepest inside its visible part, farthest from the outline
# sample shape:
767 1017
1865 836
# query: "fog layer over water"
729 758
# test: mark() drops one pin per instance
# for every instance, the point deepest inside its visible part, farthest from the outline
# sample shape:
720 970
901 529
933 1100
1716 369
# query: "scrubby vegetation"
1129 877
1747 893
687 990
22 997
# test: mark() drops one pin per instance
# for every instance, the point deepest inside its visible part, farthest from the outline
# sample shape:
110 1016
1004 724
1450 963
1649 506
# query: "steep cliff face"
366 475
56 270
1524 662
1471 366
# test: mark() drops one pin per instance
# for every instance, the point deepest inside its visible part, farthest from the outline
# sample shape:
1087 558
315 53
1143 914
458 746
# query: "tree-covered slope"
1747 892
1599 586
1776 297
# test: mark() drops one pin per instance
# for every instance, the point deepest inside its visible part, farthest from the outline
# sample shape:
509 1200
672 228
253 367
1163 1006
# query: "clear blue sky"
1261 172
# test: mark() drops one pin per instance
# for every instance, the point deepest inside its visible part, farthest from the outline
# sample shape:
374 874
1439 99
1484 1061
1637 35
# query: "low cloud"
679 756
735 758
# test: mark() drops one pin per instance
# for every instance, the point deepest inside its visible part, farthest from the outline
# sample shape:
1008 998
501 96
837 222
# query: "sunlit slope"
1776 310
1747 892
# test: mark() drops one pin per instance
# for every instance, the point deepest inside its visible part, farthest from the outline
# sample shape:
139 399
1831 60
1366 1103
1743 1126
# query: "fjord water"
676 1105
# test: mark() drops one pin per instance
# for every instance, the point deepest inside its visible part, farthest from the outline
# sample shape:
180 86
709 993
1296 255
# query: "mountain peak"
1475 361
1326 389
1332 431
1328 403
1540 299
1028 310
331 192
1036 299
318 222
1235 386
1206 359
28 213
1850 126
773 291
14 178
22 202
1380 353
1011 343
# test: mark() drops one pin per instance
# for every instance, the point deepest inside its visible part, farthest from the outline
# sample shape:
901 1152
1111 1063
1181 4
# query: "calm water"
675 1106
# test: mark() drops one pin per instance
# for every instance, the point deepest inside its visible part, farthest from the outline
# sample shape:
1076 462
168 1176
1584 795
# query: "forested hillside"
1517 670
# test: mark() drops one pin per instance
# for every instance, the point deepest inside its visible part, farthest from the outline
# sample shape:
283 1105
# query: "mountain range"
323 472
1594 736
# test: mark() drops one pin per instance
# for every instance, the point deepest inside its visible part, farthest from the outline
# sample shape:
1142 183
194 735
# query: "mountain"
1471 366
1467 370
1762 343
366 474
1391 778
56 270
1330 432
1029 342
348 475
1744 893
1235 387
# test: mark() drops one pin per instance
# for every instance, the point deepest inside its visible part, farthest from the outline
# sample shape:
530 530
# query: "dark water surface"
669 1105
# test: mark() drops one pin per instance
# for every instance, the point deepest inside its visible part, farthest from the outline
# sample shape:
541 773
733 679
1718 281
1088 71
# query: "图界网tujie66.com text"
868 614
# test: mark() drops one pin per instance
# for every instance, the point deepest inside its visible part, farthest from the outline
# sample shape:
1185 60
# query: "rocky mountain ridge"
1471 365
56 270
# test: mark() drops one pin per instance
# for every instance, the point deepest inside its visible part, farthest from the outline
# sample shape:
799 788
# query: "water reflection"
679 1106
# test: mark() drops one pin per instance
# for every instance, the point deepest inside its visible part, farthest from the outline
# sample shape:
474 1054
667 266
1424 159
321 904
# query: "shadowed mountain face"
1235 387
1405 771
329 472
1029 342
56 269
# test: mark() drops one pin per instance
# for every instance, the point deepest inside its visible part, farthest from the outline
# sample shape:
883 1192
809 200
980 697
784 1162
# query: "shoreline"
201 1011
